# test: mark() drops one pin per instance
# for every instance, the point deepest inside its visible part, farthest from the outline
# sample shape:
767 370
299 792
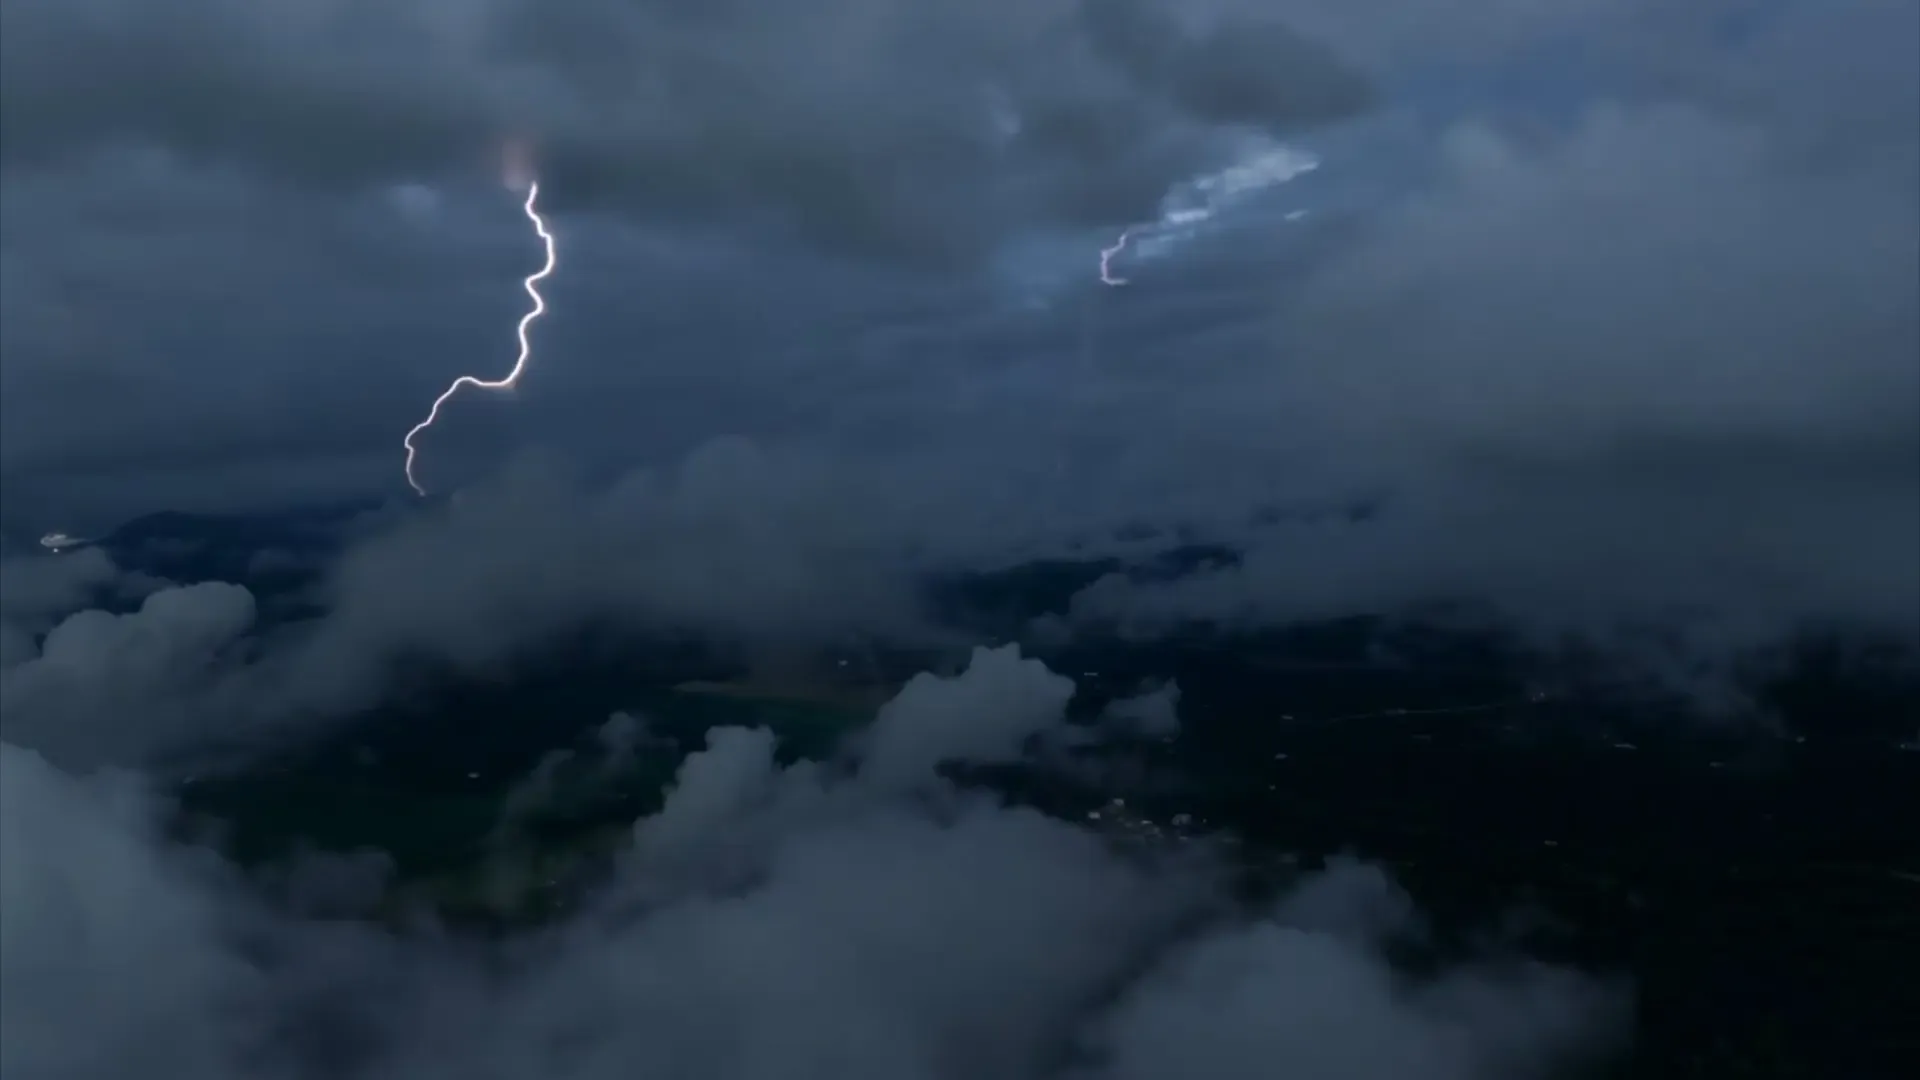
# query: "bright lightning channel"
531 284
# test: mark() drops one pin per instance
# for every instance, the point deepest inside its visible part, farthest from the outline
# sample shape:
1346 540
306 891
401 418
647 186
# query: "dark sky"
1616 298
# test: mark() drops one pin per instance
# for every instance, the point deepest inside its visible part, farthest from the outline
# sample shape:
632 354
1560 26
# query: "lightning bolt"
1106 258
531 284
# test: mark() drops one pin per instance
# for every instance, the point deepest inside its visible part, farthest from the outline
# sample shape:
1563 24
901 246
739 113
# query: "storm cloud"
920 130
1604 311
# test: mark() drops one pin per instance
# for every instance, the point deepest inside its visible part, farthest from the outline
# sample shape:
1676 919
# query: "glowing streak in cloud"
1106 259
1192 207
526 349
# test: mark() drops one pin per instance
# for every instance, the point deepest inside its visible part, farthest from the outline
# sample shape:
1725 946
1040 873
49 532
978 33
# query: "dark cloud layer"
1626 330
915 129
767 923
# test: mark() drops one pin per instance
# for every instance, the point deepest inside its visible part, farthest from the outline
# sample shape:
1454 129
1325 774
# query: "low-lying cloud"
867 920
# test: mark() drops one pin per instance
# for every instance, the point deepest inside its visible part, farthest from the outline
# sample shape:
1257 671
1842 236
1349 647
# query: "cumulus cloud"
807 920
1153 713
1325 1003
764 557
112 949
107 687
983 716
37 586
40 593
733 543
